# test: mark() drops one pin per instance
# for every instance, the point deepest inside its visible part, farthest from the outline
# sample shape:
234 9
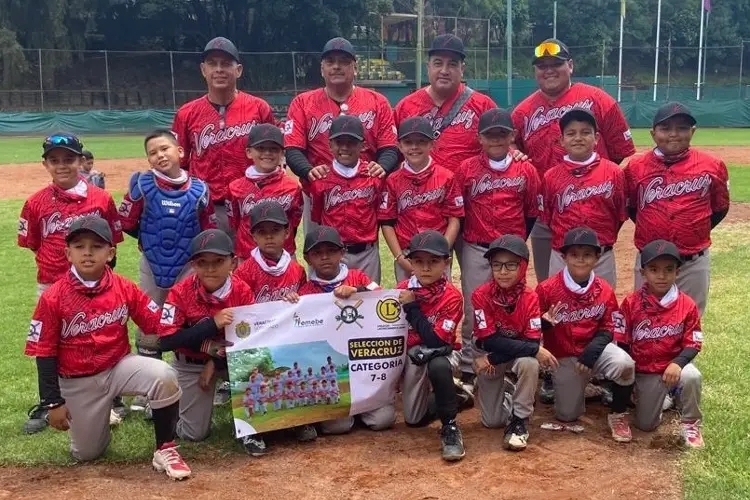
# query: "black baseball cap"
660 248
268 211
265 132
322 234
87 154
551 47
347 125
338 44
221 44
93 224
495 118
447 43
432 242
416 125
584 236
670 110
577 115
62 141
211 241
508 243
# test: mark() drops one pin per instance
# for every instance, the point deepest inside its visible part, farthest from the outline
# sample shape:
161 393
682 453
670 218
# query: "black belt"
359 247
189 359
77 376
481 244
692 256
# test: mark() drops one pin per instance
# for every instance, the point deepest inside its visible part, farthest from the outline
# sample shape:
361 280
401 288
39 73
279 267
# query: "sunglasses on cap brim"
60 140
547 49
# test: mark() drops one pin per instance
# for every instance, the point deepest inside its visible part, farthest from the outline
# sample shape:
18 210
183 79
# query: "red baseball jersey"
596 199
183 308
245 193
311 114
349 204
459 140
537 123
444 314
130 210
675 202
214 144
46 217
355 278
581 317
266 286
497 203
420 201
656 333
524 322
86 329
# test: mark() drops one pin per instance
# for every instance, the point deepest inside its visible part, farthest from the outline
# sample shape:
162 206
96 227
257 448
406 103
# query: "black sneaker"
222 395
119 407
305 433
516 434
452 443
547 391
254 446
37 421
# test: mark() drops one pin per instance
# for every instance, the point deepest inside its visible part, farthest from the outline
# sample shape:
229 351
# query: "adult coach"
310 115
536 120
213 129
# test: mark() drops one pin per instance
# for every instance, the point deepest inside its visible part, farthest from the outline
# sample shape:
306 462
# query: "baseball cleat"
516 435
464 395
37 421
114 418
119 407
452 443
618 424
305 433
167 459
139 403
547 391
254 446
668 403
221 396
690 431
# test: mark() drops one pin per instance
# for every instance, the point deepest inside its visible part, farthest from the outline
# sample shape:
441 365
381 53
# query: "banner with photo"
320 359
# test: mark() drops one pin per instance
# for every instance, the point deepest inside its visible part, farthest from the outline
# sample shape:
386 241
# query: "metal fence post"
742 57
171 71
294 72
604 50
41 82
106 73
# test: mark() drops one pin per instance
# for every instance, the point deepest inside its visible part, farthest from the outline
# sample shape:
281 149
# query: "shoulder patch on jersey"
167 314
125 208
288 127
384 202
619 322
697 336
153 306
449 325
627 135
459 201
35 329
479 318
535 323
117 225
228 207
23 227
540 202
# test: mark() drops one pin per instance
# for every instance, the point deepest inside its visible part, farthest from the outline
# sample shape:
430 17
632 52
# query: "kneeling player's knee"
89 453
381 419
493 421
166 388
440 369
337 426
626 372
194 433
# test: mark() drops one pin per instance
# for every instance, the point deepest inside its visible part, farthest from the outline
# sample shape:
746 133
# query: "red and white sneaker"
690 430
618 424
167 459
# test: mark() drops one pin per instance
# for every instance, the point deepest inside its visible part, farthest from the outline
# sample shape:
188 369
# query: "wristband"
399 256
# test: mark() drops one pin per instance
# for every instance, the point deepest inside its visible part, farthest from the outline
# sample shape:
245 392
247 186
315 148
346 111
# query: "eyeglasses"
510 266
547 48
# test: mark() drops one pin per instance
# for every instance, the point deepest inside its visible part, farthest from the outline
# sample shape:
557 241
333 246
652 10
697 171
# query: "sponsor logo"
153 306
208 138
618 320
80 326
170 203
336 196
305 323
23 227
459 201
486 183
656 190
409 199
167 314
349 314
535 323
249 202
56 224
571 195
384 202
388 310
540 117
595 311
644 331
627 135
228 206
697 336
449 325
242 330
35 330
265 294
288 127
125 208
323 124
479 318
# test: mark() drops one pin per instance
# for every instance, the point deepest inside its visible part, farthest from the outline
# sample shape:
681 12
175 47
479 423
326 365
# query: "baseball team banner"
320 359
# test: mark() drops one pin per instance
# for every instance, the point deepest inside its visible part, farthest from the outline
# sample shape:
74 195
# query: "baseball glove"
421 355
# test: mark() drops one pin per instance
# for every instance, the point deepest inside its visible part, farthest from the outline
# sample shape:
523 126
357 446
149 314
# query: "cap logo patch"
204 241
661 247
579 235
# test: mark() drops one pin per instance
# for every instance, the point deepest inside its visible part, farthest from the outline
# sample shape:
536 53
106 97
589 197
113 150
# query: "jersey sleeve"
143 310
44 331
172 315
612 321
616 133
547 198
295 212
232 205
386 125
620 196
387 209
181 130
446 324
295 133
453 203
720 189
207 215
544 304
315 192
532 322
627 318
533 204
113 217
266 113
693 334
631 191
398 114
28 228
518 126
484 323
130 213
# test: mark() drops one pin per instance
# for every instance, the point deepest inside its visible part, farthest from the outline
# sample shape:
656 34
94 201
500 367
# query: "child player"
324 253
501 196
433 309
507 332
680 194
79 337
348 198
88 172
663 334
194 316
584 189
579 324
264 180
47 215
164 209
420 195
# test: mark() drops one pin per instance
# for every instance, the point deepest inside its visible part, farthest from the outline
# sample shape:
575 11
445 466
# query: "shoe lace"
251 440
450 434
692 431
620 424
172 456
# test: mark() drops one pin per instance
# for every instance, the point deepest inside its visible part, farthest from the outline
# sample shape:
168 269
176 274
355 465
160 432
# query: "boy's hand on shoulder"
344 292
59 417
671 375
406 296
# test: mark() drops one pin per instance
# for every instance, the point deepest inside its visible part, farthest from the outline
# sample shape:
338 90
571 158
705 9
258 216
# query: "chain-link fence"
50 80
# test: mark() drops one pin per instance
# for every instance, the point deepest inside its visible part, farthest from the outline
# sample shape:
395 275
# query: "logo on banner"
388 310
349 314
242 330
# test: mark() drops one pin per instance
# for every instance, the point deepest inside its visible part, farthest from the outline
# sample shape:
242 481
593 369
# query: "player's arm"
518 126
315 192
42 342
387 152
295 211
113 218
547 198
501 349
692 339
620 198
130 215
452 209
610 325
443 331
624 338
28 229
616 133
206 212
295 140
631 192
720 195
143 311
234 213
180 128
534 199
266 113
